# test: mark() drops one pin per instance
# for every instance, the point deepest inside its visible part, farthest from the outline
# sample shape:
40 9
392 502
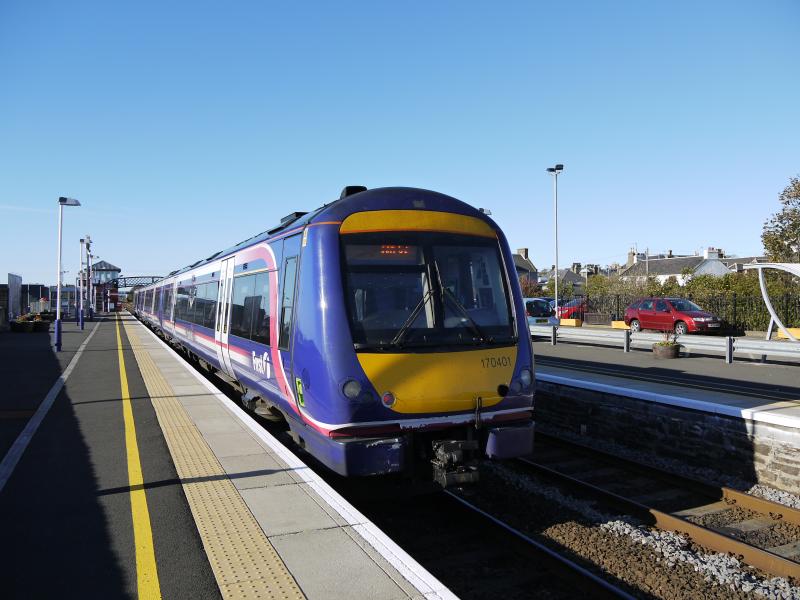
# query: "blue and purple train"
384 328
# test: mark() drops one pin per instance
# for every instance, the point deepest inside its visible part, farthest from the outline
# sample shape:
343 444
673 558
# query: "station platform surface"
761 392
125 473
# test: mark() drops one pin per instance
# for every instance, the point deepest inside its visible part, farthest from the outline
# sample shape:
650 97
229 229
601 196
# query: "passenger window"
182 305
210 296
243 290
646 305
261 308
191 304
661 306
287 301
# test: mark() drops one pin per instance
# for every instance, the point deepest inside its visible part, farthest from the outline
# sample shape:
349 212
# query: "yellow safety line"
243 560
146 571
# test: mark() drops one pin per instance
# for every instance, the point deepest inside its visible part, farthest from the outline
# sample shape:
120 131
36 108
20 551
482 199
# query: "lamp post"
62 202
554 171
80 286
90 283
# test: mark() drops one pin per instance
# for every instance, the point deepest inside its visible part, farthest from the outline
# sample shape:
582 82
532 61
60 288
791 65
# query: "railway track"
477 555
764 534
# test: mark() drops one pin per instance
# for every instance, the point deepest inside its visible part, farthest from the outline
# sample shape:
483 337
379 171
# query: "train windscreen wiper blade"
405 327
446 293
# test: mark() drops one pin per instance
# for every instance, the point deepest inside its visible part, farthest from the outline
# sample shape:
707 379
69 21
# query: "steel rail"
590 583
754 503
757 557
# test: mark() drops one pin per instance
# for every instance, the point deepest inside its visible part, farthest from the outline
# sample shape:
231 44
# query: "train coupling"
454 463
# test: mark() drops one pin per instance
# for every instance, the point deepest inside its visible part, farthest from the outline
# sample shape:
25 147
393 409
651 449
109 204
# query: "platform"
125 473
741 419
768 393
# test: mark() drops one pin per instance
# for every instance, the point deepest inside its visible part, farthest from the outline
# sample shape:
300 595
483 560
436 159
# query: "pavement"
126 474
65 512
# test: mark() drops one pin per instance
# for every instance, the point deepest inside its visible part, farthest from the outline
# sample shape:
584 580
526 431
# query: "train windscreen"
414 290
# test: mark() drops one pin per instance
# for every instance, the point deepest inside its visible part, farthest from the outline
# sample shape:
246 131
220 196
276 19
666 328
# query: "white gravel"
722 569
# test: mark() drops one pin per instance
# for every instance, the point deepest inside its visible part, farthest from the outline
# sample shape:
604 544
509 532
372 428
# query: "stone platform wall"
753 452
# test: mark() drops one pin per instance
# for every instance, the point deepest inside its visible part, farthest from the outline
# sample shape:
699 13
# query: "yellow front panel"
442 381
415 220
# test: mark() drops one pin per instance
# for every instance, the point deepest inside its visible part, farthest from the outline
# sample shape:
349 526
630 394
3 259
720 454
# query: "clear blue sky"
183 128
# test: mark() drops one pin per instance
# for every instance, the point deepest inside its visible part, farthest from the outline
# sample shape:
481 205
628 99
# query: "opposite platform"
740 420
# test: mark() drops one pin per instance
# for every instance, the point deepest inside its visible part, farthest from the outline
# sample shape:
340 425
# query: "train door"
291 266
170 307
223 316
160 306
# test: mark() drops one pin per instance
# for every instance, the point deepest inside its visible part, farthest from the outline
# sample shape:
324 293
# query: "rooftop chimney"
669 253
523 252
711 252
631 257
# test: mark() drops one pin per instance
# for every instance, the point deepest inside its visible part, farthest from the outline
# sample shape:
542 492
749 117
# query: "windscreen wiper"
446 293
406 326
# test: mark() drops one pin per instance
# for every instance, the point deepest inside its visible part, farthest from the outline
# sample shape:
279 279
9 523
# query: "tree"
529 289
781 233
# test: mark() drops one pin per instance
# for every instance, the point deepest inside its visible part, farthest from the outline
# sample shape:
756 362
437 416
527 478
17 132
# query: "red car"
670 314
574 309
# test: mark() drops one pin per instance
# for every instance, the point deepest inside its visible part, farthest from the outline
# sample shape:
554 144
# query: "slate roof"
523 264
105 266
566 275
663 266
744 260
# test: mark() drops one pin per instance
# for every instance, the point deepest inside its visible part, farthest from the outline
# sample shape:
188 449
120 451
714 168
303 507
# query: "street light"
62 202
86 244
554 171
90 281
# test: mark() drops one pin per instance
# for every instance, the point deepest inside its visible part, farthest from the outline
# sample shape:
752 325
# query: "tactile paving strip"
244 562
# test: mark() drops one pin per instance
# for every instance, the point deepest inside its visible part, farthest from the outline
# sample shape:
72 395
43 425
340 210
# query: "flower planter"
41 326
22 326
670 351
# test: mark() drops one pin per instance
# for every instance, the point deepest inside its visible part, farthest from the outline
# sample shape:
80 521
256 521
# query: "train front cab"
433 337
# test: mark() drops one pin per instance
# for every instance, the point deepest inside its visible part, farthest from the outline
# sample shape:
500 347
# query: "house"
571 276
104 272
681 267
524 266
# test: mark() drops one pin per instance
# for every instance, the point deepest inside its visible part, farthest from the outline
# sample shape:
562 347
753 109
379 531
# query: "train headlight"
526 377
388 399
351 389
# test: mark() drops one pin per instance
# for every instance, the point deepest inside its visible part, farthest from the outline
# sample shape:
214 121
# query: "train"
386 330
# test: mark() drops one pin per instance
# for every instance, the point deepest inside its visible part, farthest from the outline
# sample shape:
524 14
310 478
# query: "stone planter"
670 351
22 326
41 326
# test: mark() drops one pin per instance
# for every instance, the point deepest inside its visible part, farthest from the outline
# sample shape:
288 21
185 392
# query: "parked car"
539 311
574 309
670 314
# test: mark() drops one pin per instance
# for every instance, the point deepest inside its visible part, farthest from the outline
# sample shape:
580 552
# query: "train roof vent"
292 217
349 190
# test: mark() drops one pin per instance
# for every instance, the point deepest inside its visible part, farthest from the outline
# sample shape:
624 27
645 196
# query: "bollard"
627 344
729 350
554 335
